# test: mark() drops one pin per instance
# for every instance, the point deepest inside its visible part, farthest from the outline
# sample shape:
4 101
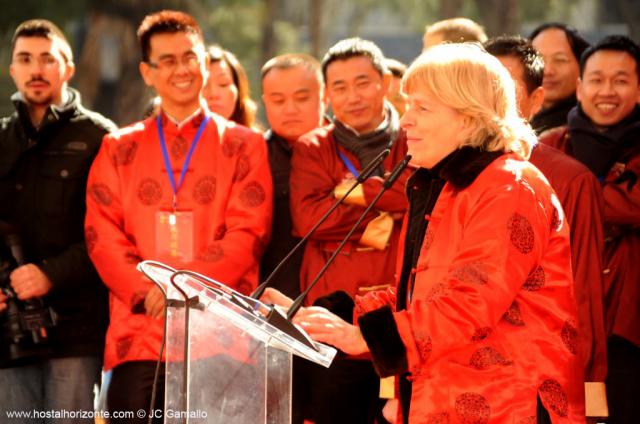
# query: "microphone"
366 172
395 173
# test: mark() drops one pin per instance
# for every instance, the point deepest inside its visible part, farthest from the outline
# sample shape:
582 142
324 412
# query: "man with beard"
47 146
325 163
604 134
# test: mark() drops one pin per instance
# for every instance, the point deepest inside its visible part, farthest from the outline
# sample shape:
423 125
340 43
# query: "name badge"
174 235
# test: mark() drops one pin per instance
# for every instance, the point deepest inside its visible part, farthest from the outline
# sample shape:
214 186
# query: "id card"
174 235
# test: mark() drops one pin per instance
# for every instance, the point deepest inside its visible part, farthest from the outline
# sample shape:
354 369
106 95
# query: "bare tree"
450 8
499 16
630 13
268 33
315 26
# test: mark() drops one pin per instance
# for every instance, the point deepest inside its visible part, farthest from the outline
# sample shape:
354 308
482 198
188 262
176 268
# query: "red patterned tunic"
622 247
228 189
491 322
316 169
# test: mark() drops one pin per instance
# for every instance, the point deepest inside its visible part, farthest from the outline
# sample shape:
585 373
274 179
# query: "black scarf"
367 146
599 150
553 116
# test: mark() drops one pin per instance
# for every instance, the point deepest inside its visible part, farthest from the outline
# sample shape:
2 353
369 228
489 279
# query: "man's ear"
324 97
147 73
536 98
386 82
69 72
579 89
205 69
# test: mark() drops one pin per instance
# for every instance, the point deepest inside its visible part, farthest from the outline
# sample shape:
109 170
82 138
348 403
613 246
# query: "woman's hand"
272 296
390 410
326 327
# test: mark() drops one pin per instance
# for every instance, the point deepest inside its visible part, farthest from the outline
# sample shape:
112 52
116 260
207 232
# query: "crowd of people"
495 280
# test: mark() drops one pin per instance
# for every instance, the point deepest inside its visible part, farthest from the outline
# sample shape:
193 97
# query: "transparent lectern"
228 357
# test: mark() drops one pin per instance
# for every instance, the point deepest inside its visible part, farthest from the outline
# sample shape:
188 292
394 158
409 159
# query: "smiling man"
184 187
604 134
46 149
324 163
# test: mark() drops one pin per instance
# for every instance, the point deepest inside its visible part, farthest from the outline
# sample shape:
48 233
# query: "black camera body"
23 324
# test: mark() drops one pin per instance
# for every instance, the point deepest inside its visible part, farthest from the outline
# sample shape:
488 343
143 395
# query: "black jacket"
553 116
282 240
43 176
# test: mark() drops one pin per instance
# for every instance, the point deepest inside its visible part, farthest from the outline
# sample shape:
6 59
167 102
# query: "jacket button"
64 173
18 187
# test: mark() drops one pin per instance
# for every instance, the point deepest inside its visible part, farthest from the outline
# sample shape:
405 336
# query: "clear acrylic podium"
238 365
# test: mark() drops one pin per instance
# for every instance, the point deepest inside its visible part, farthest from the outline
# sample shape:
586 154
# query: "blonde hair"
474 83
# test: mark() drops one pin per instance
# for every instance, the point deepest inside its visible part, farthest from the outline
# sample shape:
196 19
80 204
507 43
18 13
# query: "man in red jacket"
184 187
324 162
603 132
580 196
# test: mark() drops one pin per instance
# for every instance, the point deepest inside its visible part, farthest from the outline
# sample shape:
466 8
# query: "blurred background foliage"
102 33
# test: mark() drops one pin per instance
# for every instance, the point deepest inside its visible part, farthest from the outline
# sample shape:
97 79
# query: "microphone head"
368 170
397 171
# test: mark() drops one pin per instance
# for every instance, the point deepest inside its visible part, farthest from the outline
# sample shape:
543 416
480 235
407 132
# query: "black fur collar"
461 167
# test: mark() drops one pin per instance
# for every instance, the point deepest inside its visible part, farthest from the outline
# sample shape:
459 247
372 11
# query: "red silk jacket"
316 169
227 186
621 193
581 198
491 322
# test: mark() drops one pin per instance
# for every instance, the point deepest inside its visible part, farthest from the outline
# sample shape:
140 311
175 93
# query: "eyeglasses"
26 60
170 63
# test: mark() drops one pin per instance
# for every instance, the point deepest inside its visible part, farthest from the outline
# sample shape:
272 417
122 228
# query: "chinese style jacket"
490 317
227 187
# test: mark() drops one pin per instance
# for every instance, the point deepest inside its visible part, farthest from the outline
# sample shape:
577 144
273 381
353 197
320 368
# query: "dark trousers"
346 392
623 381
130 390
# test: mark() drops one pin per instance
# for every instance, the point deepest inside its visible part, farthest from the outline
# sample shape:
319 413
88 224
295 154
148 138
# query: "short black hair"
576 41
618 43
44 29
293 60
522 49
165 22
354 47
396 67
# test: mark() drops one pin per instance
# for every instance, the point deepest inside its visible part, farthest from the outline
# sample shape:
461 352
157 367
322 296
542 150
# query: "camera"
23 324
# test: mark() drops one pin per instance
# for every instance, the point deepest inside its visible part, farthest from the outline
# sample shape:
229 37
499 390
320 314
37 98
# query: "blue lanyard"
167 163
348 164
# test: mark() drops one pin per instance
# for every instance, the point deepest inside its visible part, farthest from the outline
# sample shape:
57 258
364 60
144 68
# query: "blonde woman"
481 323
